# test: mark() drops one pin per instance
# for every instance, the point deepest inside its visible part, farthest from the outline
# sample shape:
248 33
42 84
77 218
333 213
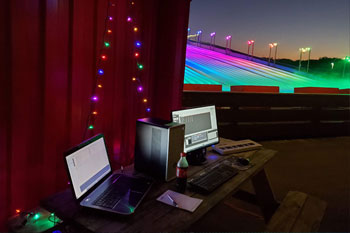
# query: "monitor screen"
87 166
200 127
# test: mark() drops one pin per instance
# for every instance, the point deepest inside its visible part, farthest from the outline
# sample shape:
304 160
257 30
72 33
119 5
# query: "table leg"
264 195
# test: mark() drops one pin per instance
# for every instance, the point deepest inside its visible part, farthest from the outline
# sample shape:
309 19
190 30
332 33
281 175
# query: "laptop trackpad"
127 193
129 202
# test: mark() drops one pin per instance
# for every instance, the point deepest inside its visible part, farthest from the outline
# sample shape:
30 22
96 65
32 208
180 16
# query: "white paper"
183 201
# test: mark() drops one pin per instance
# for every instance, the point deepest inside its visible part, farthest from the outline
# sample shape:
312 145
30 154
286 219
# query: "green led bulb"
91 126
107 44
36 216
140 66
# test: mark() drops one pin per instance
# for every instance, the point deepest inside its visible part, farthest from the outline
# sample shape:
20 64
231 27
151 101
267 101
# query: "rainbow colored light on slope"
209 67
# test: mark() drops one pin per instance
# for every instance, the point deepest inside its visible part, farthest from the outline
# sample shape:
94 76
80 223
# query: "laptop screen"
87 166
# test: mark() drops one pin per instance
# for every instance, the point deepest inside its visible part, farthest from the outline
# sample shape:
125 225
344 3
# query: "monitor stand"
197 157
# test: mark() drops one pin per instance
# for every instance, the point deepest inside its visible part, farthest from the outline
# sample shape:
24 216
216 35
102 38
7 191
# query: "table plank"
285 216
158 217
264 195
311 216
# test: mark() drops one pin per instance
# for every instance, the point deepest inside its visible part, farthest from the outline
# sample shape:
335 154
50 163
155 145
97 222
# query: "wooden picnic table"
154 216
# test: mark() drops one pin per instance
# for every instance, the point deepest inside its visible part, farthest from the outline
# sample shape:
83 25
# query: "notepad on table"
182 201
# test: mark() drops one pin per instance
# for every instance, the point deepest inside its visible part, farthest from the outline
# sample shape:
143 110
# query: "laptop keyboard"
122 187
116 191
109 198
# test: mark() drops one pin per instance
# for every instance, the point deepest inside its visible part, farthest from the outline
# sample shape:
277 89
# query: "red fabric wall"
47 67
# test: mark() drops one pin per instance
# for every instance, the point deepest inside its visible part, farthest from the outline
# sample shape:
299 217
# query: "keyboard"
212 177
227 146
109 198
124 189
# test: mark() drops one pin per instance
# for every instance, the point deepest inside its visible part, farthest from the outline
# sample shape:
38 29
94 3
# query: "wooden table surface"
152 215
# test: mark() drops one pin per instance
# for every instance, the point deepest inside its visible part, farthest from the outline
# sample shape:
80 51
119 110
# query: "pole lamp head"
250 42
228 37
212 34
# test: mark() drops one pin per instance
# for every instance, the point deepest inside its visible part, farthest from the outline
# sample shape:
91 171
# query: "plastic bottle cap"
183 154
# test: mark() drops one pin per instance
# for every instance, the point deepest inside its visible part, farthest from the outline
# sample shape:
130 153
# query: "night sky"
323 25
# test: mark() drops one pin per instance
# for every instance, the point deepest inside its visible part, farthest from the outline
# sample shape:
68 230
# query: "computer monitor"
201 131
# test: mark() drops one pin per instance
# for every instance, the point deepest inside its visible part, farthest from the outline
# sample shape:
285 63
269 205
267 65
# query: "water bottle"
181 173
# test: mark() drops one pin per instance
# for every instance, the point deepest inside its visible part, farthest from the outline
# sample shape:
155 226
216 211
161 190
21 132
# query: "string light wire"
137 54
102 57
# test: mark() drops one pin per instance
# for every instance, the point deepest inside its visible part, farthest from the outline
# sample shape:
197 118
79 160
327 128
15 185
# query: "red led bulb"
103 57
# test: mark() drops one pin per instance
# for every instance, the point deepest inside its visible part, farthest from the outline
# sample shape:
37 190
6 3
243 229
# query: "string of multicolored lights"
137 55
101 60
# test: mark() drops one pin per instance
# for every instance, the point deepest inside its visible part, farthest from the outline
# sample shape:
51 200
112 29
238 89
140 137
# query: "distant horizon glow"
322 25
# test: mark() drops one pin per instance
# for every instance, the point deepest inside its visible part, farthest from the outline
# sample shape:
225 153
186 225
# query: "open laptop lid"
88 165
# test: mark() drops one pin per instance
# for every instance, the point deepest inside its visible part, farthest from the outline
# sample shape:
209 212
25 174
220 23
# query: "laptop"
96 186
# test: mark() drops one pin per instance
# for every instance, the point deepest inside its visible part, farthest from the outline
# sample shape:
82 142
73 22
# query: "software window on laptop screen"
87 166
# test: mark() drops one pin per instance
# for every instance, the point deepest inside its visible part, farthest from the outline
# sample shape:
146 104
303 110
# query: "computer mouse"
243 161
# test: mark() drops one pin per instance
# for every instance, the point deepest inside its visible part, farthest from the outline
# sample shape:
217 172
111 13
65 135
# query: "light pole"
248 42
228 43
271 46
308 60
303 50
301 55
199 37
188 33
275 45
346 60
251 43
212 39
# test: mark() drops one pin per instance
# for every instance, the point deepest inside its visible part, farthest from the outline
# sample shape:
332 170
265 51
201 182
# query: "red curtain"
48 64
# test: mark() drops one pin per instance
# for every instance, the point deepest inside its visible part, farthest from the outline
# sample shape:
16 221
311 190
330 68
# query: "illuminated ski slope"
205 66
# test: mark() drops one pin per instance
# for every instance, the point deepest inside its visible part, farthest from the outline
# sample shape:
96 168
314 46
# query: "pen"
172 200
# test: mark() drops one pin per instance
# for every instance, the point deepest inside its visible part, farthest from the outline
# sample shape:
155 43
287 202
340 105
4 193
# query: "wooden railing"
267 116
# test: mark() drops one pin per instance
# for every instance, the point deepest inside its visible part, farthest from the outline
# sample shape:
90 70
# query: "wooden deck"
265 116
